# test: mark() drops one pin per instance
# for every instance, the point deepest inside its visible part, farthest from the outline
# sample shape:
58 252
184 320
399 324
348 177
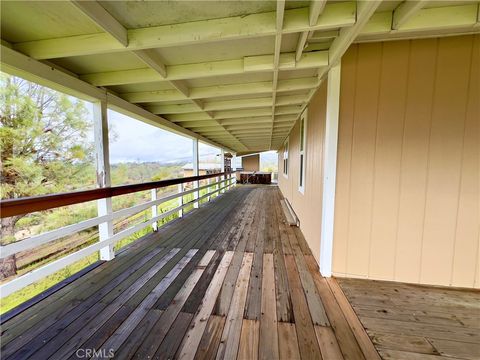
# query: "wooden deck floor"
417 322
230 280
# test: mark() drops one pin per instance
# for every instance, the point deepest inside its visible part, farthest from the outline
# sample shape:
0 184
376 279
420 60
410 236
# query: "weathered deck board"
249 338
288 342
211 338
419 322
232 280
231 332
268 319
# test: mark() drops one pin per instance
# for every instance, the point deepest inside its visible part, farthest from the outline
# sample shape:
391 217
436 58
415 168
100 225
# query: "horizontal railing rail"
14 207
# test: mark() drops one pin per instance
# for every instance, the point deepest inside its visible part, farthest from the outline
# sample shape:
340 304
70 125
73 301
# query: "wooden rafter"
276 57
263 87
239 27
315 10
102 18
425 22
244 65
405 11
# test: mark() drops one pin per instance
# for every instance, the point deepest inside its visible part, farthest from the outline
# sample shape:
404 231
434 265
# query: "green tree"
43 145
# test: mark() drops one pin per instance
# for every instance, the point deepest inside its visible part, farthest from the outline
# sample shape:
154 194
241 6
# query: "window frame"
302 152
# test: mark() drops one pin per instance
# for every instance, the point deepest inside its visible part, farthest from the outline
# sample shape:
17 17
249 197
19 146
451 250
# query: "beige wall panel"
251 163
407 196
362 162
345 133
307 206
443 184
414 163
314 170
388 152
467 229
407 201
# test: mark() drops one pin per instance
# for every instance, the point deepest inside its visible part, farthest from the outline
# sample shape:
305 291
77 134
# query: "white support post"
196 194
180 200
330 171
234 167
154 210
222 159
104 206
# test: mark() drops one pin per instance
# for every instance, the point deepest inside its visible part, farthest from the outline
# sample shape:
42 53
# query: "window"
285 158
303 139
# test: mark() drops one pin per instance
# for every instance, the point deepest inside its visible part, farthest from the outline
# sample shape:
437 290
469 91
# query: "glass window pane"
301 170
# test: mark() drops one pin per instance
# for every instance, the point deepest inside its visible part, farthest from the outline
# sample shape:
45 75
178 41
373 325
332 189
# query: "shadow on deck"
230 280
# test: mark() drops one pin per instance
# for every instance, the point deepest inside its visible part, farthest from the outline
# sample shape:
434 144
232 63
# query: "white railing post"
196 184
104 206
208 189
234 167
180 200
154 210
222 159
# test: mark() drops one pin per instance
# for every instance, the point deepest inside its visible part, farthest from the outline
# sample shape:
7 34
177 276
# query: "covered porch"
372 108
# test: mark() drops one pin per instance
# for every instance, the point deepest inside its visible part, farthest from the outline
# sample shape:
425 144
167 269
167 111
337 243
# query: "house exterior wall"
307 206
251 163
407 192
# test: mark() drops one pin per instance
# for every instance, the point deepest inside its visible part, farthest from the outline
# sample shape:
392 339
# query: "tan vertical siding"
407 201
308 205
251 163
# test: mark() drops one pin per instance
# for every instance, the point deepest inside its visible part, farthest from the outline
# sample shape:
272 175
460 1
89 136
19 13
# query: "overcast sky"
137 141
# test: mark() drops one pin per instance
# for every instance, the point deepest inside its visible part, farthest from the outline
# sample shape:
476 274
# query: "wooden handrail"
12 207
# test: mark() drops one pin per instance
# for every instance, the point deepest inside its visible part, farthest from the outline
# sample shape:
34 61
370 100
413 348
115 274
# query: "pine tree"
43 146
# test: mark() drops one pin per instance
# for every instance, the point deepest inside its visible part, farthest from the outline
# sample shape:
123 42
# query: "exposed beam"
17 64
231 114
302 40
365 10
227 105
276 57
252 127
264 87
152 59
247 64
315 10
199 126
324 35
102 18
427 22
258 119
336 15
405 11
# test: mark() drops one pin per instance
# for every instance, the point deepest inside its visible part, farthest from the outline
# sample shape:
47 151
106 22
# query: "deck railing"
222 182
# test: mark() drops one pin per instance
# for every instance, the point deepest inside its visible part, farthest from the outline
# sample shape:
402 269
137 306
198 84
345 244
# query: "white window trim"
286 144
302 172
